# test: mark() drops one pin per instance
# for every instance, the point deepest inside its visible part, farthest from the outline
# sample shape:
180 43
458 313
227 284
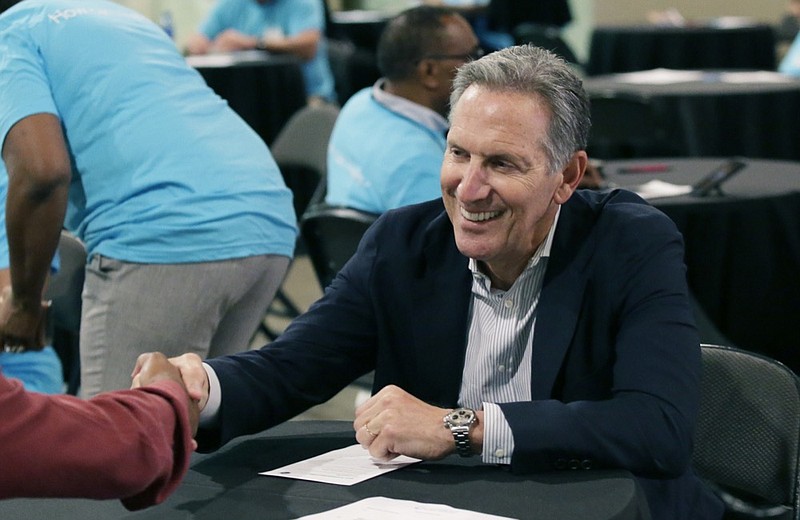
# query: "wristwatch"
460 421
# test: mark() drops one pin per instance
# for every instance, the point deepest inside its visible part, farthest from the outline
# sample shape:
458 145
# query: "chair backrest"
64 291
331 235
625 126
748 432
353 67
301 150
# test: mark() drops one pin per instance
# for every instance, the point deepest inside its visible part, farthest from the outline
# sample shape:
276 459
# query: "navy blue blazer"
616 359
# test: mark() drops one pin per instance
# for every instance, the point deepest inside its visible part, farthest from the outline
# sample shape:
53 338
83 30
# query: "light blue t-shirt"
380 158
163 170
290 17
790 64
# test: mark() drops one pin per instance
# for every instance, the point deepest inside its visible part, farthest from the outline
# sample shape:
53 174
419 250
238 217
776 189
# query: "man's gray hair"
528 69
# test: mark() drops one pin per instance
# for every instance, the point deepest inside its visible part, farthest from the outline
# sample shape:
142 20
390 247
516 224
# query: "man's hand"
154 367
232 40
192 375
21 328
394 422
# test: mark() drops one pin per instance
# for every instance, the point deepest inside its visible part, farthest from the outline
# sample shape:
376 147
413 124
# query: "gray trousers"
209 308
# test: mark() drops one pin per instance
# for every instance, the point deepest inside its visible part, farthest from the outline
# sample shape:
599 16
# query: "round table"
717 113
742 247
227 484
628 48
264 89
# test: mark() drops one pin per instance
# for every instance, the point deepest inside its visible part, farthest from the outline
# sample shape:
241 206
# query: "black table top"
695 83
759 179
226 484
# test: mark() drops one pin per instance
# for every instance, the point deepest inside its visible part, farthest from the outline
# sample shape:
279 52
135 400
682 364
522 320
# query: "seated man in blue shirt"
280 26
790 64
387 145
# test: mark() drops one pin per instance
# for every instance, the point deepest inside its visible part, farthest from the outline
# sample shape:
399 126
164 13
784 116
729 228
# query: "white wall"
186 14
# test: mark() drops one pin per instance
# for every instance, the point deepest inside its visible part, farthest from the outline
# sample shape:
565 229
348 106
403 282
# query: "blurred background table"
226 484
264 89
630 48
362 27
742 247
714 113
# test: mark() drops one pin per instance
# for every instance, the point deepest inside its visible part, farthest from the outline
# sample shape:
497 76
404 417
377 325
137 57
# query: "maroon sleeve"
130 444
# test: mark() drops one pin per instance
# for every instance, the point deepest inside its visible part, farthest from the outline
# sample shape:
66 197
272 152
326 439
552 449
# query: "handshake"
186 370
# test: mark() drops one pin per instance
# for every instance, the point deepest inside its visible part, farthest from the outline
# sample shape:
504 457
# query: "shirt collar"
414 111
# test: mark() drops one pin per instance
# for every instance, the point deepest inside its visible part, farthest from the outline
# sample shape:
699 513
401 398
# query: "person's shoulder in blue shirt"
387 146
790 64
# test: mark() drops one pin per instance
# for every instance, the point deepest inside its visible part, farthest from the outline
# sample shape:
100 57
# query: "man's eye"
499 163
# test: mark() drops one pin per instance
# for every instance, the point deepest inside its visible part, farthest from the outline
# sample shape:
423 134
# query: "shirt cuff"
498 439
210 413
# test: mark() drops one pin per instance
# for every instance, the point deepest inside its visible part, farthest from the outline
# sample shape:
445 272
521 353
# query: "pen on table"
645 168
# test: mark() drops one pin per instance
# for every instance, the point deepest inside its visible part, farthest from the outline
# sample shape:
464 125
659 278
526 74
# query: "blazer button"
586 464
574 464
561 464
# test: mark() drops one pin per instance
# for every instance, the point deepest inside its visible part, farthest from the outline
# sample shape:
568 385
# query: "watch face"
461 417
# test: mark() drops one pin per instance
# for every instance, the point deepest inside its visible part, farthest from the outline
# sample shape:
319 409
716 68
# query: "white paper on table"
344 467
660 76
211 60
226 59
391 509
655 189
754 76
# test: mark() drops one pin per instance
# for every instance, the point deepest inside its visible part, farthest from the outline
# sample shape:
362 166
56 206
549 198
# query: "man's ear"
427 72
572 175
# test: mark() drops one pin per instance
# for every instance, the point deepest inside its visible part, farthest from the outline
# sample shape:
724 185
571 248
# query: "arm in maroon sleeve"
131 444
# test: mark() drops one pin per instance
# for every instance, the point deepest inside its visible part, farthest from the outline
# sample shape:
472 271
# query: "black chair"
353 67
301 151
626 126
331 235
64 291
748 433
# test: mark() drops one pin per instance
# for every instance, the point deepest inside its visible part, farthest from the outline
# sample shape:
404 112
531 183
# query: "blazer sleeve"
134 445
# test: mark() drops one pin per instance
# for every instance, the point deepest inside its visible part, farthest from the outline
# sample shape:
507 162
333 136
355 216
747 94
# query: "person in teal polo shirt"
188 225
279 26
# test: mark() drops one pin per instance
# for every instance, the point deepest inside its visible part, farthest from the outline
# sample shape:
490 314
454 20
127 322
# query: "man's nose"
474 184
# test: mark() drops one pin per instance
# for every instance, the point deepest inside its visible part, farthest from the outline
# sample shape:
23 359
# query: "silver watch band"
461 436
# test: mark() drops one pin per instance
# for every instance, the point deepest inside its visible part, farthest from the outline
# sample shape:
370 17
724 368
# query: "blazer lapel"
440 295
562 292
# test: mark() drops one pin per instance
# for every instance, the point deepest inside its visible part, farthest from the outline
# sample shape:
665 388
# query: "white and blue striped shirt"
497 368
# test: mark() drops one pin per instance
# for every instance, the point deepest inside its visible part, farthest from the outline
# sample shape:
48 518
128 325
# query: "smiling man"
519 320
